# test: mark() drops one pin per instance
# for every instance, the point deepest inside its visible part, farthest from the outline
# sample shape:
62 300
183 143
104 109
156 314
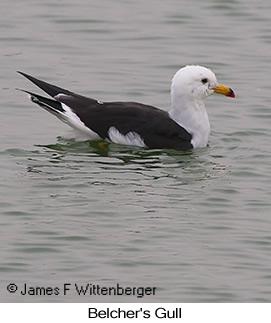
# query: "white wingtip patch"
131 138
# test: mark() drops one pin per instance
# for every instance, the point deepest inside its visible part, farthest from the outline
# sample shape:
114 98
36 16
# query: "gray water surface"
194 224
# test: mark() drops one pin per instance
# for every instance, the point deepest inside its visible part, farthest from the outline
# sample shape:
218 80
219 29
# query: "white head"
193 82
190 86
196 83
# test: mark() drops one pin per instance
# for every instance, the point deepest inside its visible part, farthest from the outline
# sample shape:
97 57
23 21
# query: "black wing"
154 125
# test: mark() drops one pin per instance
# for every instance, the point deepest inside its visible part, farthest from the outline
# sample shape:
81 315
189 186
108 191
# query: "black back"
154 125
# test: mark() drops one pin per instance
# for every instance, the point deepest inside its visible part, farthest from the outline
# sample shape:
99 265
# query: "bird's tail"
49 105
50 89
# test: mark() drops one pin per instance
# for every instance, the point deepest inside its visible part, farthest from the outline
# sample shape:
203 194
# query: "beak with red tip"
225 90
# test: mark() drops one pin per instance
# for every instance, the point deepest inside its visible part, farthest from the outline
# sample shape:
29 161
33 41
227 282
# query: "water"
194 224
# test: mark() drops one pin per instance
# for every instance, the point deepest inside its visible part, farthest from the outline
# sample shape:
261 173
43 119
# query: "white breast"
195 120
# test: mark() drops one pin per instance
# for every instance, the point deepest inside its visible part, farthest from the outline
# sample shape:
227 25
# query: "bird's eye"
205 80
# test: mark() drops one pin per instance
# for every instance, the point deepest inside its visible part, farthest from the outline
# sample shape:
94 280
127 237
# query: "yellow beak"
225 90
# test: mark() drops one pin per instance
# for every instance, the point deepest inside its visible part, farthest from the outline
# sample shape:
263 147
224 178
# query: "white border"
190 313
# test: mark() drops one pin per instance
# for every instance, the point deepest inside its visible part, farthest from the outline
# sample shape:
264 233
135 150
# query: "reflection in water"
185 166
